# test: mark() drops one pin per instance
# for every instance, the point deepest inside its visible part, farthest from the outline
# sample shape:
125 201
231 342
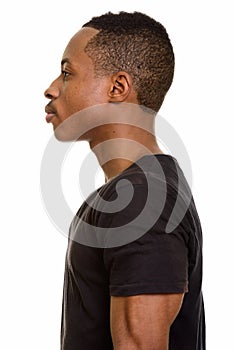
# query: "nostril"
48 95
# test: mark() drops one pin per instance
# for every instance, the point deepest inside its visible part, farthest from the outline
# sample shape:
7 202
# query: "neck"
120 145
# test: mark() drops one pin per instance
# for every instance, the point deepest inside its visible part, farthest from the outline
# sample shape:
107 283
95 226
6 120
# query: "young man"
134 260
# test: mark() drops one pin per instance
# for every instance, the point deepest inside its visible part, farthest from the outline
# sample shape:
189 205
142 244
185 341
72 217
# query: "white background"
198 106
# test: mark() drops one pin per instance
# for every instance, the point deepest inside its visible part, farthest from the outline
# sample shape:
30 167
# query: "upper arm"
143 321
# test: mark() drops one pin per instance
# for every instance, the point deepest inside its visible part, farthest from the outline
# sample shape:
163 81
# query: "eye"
65 74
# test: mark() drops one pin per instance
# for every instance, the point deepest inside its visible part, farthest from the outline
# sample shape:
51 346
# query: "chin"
65 132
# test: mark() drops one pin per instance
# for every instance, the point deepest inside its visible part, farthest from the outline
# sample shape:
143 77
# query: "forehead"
78 42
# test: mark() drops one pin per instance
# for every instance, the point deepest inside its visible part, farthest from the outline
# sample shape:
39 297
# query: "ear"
121 87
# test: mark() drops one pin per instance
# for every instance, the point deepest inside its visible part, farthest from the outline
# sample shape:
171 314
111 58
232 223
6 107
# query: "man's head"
125 57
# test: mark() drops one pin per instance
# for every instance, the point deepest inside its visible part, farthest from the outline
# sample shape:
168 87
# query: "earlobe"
121 86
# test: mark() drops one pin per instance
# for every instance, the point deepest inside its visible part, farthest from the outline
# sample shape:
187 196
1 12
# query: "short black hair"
137 44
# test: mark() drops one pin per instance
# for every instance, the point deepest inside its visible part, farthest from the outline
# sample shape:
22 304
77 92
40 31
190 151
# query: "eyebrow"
65 60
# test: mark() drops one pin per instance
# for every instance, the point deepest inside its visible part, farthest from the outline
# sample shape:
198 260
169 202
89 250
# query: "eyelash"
65 74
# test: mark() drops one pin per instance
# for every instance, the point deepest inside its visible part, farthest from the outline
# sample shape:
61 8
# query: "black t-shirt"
139 233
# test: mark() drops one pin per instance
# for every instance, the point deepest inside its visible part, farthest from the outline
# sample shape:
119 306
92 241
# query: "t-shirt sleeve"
154 262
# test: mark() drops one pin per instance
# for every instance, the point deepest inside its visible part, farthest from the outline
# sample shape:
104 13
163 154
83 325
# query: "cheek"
94 95
76 97
71 100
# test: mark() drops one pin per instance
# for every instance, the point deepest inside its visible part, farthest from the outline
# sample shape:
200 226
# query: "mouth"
50 114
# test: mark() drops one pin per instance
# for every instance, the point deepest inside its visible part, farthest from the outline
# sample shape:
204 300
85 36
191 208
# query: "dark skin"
140 322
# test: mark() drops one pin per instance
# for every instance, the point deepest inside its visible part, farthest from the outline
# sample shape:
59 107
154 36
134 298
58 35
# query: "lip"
49 117
50 113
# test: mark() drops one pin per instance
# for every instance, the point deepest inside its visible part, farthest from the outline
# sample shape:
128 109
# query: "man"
134 260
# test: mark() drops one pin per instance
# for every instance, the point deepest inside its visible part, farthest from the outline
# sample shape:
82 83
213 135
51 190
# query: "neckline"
139 160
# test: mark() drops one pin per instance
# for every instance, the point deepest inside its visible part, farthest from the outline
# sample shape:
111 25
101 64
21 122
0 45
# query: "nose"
52 92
